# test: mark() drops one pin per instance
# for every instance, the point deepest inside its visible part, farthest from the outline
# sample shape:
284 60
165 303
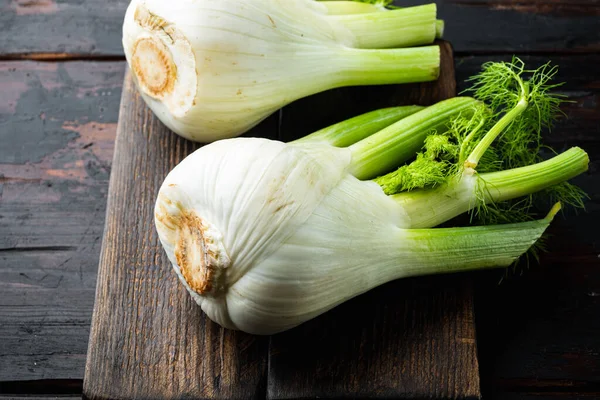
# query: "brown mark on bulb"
192 254
148 20
200 259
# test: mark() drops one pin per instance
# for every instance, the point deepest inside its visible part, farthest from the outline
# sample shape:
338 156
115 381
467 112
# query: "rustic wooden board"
148 338
84 28
409 339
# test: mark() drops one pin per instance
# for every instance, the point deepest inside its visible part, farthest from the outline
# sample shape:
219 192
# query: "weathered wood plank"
49 388
394 342
149 339
545 321
57 124
542 389
52 26
40 398
495 26
407 339
86 27
559 394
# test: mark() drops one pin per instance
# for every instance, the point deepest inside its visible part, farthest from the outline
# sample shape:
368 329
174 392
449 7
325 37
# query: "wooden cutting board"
413 338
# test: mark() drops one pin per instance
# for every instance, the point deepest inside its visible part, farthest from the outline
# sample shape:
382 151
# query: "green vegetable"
343 7
266 235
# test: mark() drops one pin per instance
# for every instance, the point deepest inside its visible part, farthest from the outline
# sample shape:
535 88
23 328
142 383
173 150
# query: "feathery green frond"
431 167
504 132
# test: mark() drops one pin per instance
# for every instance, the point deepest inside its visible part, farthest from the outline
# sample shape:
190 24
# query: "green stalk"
341 7
450 250
358 67
352 130
394 145
493 133
410 26
467 140
439 28
431 207
517 182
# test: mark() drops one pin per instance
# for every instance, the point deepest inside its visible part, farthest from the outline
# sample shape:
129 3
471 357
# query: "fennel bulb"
214 69
266 235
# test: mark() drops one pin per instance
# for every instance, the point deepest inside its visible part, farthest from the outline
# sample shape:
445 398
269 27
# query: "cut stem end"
162 62
153 66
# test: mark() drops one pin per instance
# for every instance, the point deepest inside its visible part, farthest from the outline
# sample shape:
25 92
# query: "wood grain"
92 28
407 339
148 338
57 125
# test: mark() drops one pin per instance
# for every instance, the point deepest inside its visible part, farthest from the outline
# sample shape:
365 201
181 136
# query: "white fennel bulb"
267 235
215 69
284 235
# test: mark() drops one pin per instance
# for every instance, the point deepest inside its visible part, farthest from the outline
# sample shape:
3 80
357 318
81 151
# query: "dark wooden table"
61 72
